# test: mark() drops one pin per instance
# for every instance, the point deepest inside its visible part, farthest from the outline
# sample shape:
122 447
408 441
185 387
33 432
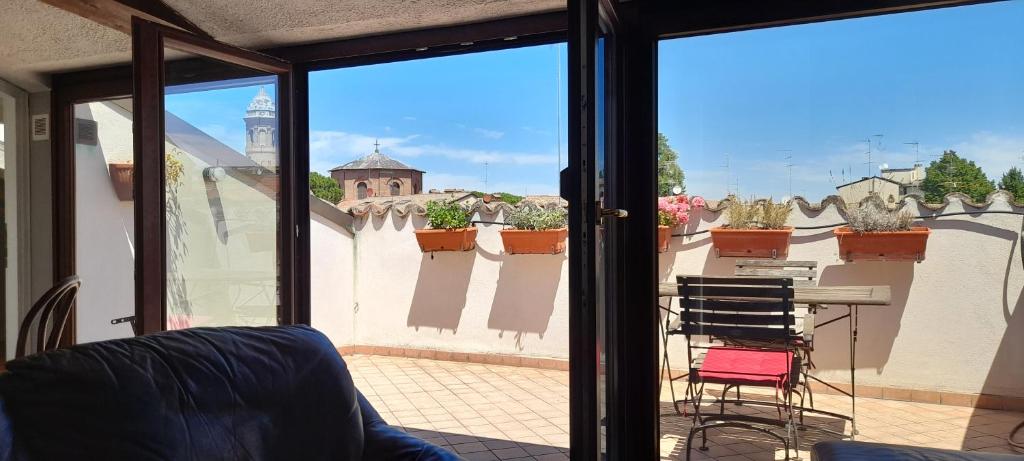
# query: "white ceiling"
37 39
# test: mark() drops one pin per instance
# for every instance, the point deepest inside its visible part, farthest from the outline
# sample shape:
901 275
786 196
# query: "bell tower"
261 131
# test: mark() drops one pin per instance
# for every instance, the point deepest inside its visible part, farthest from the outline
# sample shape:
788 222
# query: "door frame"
16 135
149 40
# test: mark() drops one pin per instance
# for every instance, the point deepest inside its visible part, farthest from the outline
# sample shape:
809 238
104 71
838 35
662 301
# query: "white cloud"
994 153
456 181
328 149
489 134
409 118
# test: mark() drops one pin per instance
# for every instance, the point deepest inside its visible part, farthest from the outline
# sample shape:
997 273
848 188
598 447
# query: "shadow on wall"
878 326
1006 373
525 296
441 288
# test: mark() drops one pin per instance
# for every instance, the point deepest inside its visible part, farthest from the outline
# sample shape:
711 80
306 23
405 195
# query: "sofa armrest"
385 443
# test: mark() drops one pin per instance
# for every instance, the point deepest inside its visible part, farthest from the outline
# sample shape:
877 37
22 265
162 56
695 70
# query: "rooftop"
375 161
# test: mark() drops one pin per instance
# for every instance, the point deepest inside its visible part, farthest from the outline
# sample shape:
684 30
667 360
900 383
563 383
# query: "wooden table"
868 295
821 297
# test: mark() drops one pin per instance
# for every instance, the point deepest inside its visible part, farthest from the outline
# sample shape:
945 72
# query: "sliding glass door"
213 176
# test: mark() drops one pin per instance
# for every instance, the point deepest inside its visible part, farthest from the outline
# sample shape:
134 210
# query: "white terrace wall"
480 301
956 322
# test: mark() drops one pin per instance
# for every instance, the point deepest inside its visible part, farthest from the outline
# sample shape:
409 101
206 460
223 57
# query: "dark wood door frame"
149 40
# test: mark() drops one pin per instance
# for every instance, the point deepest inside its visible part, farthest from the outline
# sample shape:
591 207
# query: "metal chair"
804 274
759 310
50 314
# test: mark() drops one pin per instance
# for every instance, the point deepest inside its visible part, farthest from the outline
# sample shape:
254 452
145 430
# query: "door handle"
613 213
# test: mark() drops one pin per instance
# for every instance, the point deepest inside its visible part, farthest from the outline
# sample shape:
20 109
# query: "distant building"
891 186
261 131
377 175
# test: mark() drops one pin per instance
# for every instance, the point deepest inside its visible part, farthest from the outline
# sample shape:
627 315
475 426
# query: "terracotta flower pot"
446 239
534 242
122 176
882 246
664 238
751 243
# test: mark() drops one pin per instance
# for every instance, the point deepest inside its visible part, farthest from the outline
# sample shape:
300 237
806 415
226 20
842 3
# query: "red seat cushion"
748 367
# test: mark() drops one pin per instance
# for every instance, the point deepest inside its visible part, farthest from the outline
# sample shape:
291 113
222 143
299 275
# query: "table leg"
852 312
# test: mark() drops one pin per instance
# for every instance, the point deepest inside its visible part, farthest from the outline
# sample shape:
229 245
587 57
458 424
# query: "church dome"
261 103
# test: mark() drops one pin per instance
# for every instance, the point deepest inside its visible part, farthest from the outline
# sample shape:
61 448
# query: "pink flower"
698 202
675 210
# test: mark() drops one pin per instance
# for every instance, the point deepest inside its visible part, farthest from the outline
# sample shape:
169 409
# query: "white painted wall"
956 323
479 301
104 228
332 280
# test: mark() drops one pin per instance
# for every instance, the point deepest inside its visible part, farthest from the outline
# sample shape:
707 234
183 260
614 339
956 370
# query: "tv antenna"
917 151
726 166
486 190
789 166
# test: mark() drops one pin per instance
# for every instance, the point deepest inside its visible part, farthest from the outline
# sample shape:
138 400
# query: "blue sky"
947 79
449 116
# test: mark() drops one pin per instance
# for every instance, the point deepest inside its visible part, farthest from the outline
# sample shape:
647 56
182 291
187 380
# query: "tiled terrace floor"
492 412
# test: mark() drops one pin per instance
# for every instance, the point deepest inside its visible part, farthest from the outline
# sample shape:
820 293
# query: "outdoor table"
820 297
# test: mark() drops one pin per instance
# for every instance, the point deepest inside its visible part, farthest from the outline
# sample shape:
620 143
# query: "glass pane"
104 219
222 185
599 265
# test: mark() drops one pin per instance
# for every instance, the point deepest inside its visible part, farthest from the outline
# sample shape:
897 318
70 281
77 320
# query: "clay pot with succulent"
535 230
450 228
756 229
674 211
873 233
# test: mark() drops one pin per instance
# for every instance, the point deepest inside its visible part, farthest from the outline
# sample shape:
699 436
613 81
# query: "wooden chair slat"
775 263
737 319
775 272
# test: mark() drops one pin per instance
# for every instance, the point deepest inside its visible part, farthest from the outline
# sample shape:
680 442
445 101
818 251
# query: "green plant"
758 214
951 173
669 172
447 215
536 218
1013 182
174 170
506 197
325 188
872 218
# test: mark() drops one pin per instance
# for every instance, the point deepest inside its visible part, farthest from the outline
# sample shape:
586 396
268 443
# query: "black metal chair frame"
757 310
53 309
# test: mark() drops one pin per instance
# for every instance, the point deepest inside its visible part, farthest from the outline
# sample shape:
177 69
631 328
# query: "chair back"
744 308
803 273
50 315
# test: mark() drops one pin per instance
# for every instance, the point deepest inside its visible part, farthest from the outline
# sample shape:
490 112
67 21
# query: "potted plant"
535 231
877 234
674 211
450 228
756 229
122 175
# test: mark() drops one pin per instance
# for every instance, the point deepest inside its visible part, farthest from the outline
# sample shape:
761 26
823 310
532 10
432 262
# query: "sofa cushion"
840 450
200 394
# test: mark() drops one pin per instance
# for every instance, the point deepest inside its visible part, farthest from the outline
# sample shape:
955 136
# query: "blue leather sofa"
203 394
864 451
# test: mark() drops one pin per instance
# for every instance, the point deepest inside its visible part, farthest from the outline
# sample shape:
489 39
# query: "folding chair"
803 273
755 310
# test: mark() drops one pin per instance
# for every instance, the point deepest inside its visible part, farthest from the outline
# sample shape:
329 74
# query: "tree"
1013 182
950 173
669 172
325 188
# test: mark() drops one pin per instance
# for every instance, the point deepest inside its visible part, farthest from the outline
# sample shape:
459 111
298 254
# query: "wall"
332 267
956 322
480 301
